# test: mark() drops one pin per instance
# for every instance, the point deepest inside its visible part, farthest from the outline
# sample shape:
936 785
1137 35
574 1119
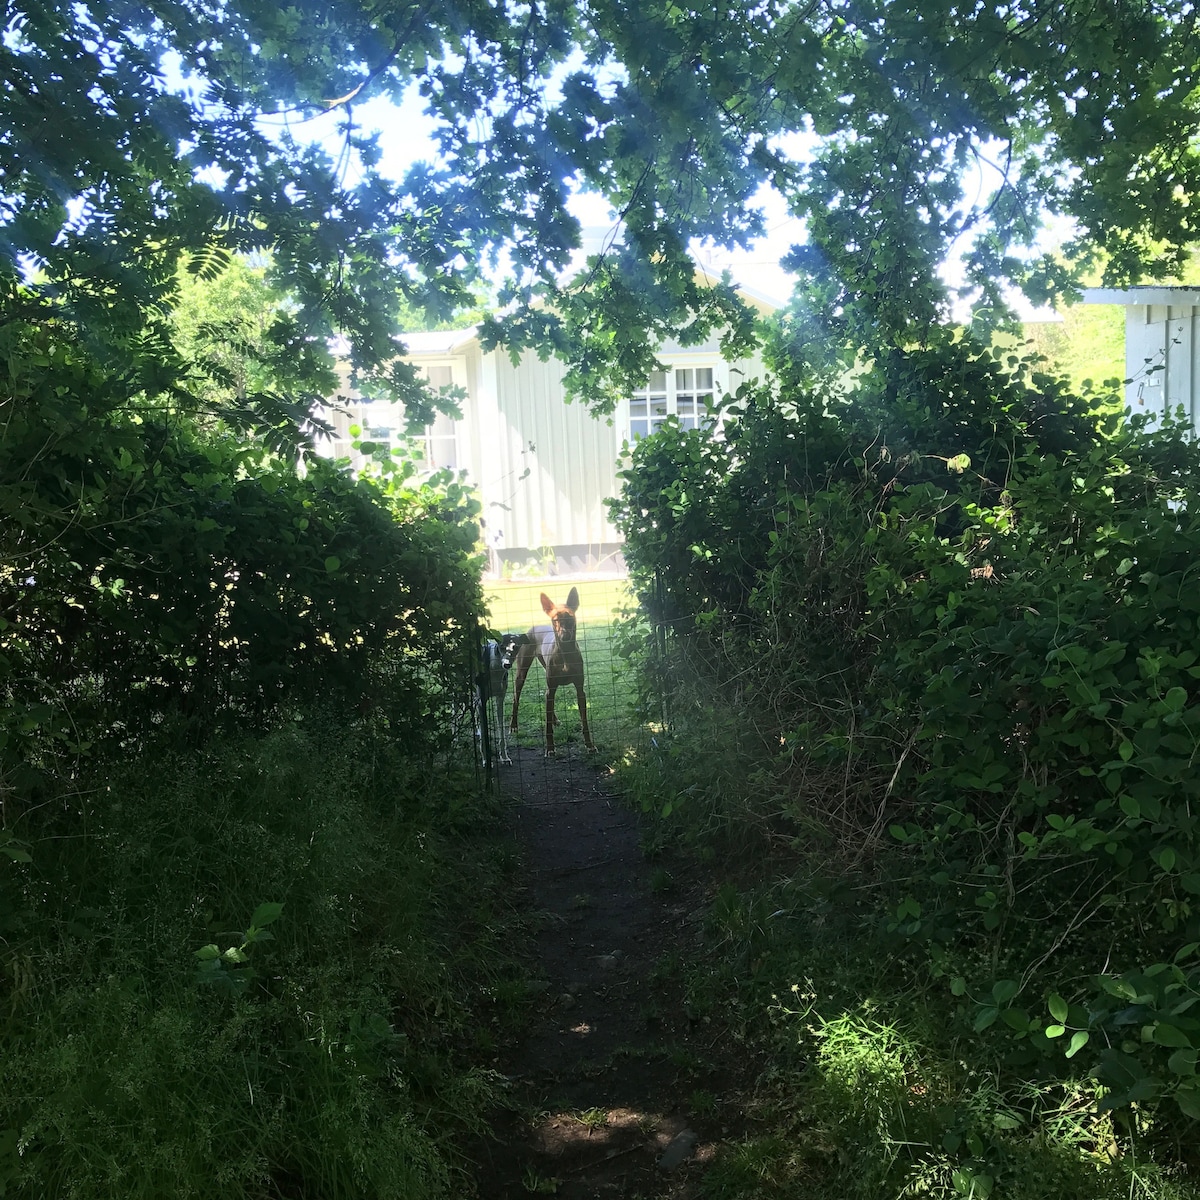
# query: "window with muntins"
441 437
683 392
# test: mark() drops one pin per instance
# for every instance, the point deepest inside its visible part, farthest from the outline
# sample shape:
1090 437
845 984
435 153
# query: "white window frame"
382 423
437 436
373 410
685 389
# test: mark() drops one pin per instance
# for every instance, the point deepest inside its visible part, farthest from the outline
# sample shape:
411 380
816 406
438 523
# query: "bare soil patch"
616 1091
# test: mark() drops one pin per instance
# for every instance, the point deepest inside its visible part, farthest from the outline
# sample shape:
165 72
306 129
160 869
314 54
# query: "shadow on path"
610 1073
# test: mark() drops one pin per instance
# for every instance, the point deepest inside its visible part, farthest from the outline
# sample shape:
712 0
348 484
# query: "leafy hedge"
155 565
249 935
955 609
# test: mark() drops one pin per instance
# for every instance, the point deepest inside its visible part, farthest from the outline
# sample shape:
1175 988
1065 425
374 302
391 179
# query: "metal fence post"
660 642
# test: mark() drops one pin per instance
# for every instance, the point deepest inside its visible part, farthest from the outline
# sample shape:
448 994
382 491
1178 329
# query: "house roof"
438 341
758 300
1134 296
441 342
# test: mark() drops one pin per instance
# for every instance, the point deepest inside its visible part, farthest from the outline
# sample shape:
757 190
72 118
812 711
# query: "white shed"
1162 347
543 468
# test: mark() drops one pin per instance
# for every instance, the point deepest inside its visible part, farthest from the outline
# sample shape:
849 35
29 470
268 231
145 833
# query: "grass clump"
330 1050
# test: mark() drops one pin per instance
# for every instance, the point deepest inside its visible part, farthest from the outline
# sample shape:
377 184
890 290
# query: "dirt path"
614 1086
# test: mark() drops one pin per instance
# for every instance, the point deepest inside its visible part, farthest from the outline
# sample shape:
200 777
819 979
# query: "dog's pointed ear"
547 603
572 599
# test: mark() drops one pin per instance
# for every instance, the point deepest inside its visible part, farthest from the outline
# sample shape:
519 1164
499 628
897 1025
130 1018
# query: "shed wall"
547 465
1162 346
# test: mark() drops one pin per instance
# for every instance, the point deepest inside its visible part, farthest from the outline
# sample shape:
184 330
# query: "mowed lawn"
515 607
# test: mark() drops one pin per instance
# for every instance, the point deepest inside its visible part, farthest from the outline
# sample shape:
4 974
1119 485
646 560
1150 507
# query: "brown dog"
554 646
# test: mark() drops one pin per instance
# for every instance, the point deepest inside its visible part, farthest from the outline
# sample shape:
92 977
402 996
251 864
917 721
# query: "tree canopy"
138 132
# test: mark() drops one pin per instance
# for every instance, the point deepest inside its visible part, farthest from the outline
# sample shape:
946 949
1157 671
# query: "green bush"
951 621
154 564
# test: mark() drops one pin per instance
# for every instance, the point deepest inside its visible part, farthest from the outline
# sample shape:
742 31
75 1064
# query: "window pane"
684 392
440 377
441 454
378 415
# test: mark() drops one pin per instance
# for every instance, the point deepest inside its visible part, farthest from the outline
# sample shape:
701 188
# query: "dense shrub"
950 612
154 566
248 930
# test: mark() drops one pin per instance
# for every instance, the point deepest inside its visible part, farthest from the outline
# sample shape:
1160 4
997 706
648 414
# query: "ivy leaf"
1169 1035
1188 1099
1003 990
986 1017
1183 1062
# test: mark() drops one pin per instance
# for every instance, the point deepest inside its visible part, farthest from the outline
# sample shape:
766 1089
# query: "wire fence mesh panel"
516 607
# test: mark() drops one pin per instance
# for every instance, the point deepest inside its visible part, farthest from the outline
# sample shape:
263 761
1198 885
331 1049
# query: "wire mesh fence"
515 607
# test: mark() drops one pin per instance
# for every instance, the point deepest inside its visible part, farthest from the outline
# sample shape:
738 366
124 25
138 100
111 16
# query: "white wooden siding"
553 464
1161 348
542 468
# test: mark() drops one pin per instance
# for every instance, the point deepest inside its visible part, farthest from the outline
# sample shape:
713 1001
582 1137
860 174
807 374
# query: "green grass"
861 1105
514 606
345 1064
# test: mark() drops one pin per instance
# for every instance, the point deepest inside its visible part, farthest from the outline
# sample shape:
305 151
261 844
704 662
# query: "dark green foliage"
151 567
244 931
142 133
950 630
332 1058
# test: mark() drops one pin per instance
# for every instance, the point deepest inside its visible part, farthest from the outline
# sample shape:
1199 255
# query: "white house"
1162 347
542 467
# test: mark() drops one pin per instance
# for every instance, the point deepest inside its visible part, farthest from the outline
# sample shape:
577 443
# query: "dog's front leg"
587 733
481 720
523 666
550 720
499 705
